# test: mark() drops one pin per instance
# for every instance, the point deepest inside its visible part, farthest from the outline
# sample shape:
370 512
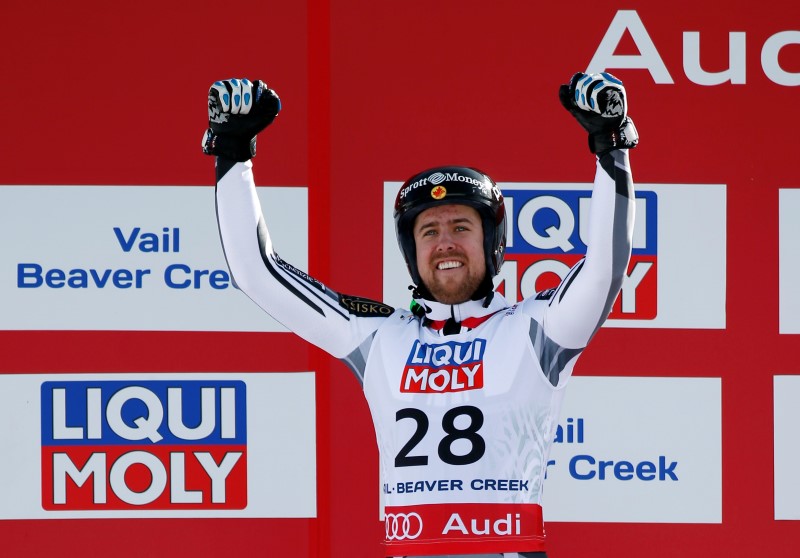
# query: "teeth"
448 265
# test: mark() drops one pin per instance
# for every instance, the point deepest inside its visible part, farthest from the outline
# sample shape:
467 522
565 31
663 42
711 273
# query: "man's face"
450 257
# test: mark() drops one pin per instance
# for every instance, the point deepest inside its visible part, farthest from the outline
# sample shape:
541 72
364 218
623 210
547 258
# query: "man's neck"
459 312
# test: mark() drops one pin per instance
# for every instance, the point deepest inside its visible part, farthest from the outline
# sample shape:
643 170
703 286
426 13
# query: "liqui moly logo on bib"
149 445
547 236
444 368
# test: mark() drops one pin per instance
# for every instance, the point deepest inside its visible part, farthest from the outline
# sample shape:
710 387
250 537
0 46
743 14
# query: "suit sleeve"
583 300
341 325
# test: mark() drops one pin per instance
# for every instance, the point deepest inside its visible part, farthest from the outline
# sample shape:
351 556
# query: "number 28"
446 454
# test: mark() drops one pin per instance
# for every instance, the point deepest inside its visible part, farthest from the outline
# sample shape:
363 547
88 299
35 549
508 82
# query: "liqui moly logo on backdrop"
444 367
548 232
150 445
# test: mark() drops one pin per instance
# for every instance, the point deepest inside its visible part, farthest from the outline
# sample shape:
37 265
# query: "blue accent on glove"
610 78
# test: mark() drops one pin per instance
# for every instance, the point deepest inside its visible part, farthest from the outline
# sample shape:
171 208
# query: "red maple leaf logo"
438 192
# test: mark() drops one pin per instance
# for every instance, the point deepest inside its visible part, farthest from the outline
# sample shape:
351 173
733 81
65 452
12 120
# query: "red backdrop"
112 94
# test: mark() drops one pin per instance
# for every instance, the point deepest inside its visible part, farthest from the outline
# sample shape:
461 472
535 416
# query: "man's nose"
445 242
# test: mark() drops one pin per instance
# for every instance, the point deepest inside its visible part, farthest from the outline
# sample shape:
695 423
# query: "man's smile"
448 264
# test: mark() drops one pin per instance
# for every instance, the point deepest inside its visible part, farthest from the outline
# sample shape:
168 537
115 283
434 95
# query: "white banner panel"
157 445
637 450
131 258
789 260
787 446
677 274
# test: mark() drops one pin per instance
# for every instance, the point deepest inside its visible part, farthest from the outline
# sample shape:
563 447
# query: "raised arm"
584 298
339 324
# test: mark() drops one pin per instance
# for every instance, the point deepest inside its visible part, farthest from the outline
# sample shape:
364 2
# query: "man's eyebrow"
434 223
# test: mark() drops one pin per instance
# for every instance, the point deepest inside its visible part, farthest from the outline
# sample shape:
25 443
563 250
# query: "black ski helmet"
448 185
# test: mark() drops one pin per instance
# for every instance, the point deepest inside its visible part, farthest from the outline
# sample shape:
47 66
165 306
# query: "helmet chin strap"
417 309
484 290
420 291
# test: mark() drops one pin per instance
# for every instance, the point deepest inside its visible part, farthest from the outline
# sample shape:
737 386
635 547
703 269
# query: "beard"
454 291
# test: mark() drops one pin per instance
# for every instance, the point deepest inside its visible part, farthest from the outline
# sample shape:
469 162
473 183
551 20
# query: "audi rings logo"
402 526
437 178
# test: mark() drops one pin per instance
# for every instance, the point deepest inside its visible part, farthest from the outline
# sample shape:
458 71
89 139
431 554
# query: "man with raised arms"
464 388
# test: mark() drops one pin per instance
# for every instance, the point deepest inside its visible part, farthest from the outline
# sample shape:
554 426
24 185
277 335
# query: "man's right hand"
238 110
